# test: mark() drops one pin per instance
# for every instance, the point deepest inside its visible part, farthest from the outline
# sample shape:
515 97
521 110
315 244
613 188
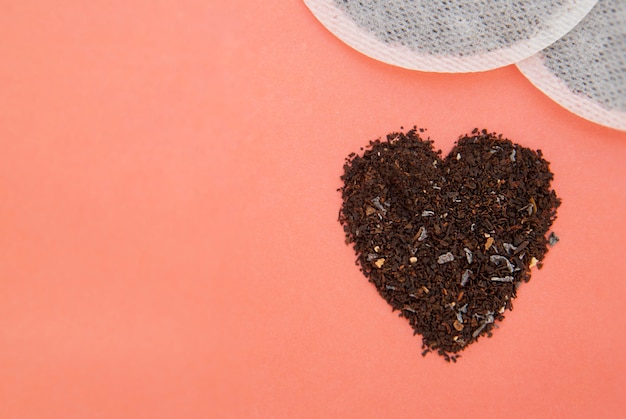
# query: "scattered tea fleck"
509 248
445 258
488 243
533 205
497 259
422 234
479 330
553 239
465 277
459 317
502 279
378 205
379 263
468 255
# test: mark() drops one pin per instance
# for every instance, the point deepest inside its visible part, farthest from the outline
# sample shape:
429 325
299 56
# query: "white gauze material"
585 71
449 36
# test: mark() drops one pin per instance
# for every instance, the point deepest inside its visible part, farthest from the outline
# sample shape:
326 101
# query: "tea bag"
585 71
450 36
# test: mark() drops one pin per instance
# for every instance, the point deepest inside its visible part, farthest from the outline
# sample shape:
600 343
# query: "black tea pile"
447 242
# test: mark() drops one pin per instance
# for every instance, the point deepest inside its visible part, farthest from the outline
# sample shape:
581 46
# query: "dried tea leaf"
477 208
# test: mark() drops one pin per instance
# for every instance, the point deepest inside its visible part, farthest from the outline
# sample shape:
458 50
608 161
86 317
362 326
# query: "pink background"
169 244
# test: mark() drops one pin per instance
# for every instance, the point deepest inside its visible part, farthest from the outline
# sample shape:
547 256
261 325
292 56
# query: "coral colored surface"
168 237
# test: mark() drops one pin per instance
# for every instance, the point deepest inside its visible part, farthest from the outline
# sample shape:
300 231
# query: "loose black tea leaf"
447 242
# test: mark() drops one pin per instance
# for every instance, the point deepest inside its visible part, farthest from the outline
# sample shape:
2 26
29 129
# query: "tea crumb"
379 263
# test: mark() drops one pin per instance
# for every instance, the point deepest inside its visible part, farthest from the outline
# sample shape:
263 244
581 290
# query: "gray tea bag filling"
450 36
464 27
585 71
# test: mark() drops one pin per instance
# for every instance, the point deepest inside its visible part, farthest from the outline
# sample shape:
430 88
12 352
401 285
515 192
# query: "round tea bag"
585 71
449 36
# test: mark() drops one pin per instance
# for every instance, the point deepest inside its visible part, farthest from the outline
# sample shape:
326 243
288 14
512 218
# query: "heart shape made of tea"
447 242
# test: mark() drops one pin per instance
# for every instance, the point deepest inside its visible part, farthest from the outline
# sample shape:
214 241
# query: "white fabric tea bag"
449 36
585 71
